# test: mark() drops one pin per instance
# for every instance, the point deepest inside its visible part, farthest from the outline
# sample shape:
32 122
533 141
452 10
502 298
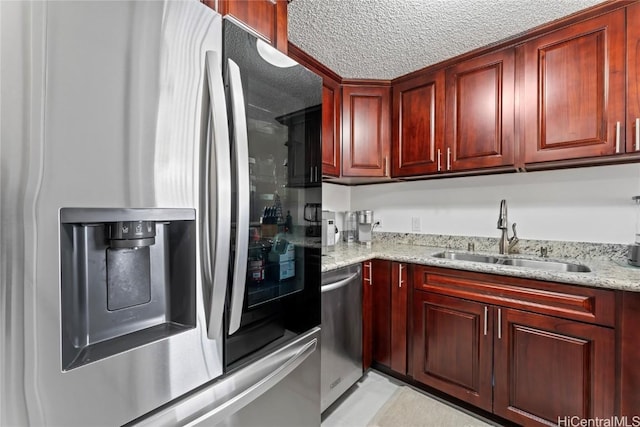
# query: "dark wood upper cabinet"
331 116
573 90
546 368
366 121
418 125
633 79
267 17
480 112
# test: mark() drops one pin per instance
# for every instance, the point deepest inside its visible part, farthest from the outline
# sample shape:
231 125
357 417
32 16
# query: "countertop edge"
605 274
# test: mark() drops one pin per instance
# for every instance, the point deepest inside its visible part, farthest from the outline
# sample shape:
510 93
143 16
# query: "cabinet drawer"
572 302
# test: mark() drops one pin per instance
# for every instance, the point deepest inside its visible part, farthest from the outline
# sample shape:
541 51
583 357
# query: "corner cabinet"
549 348
366 122
385 296
573 93
266 17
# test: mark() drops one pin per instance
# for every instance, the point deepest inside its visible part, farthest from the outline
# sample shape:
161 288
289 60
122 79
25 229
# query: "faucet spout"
502 218
506 243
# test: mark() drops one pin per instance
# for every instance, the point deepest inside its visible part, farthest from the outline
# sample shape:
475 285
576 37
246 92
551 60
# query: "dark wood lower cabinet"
547 368
384 313
474 341
451 351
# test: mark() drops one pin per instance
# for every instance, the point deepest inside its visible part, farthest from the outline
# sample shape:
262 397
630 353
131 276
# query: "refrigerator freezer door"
281 389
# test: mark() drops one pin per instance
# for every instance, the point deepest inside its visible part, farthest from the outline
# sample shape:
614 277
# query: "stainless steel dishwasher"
341 336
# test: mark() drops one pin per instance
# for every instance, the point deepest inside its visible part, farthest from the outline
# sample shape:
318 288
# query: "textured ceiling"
384 39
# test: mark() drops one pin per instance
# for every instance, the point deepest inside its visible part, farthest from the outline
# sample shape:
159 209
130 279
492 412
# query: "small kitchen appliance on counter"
365 227
329 230
350 231
634 249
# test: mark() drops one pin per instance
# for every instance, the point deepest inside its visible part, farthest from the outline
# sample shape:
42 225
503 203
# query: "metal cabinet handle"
439 160
400 275
370 279
386 166
637 134
486 315
617 137
499 323
448 158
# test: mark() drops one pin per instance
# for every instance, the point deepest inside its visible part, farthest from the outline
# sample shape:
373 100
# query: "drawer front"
572 302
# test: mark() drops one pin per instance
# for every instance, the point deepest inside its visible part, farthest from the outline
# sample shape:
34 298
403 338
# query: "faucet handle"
515 234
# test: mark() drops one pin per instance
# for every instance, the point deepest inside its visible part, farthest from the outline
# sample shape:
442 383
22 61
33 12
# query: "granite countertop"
608 273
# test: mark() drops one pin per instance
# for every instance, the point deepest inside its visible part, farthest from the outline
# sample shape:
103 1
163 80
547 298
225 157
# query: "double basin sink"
556 266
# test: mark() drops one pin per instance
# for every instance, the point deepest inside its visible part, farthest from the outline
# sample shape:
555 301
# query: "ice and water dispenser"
127 279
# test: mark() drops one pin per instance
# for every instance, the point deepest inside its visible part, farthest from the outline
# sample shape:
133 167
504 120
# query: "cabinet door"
366 130
267 17
381 311
633 72
367 315
548 368
452 346
480 112
418 126
573 95
399 293
331 128
304 145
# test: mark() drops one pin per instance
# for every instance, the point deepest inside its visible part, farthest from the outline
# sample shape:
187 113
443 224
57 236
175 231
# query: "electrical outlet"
415 223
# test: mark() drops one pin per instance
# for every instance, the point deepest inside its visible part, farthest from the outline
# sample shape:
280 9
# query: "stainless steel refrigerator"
156 266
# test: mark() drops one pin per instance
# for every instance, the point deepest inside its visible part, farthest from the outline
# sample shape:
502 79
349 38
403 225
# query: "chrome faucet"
506 243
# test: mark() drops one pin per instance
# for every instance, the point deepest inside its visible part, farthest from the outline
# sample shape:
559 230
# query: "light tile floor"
358 406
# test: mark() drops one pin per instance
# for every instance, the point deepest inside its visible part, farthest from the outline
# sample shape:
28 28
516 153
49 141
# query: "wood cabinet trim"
571 302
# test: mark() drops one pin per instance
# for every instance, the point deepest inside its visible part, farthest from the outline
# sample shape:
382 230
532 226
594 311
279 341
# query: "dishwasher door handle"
338 284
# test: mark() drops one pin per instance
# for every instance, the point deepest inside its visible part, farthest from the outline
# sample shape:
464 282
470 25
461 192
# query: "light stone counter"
608 267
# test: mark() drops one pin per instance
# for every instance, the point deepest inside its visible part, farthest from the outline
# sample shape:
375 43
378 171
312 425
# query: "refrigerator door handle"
216 199
241 155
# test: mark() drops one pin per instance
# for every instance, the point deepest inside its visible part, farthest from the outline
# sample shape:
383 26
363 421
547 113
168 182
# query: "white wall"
336 198
584 204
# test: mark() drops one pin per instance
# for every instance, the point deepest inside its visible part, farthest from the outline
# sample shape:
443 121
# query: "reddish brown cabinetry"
331 116
451 352
546 367
385 295
366 130
573 100
267 17
633 79
480 112
418 125
550 348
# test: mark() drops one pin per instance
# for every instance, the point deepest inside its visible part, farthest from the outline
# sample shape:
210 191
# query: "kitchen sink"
546 265
463 256
558 266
